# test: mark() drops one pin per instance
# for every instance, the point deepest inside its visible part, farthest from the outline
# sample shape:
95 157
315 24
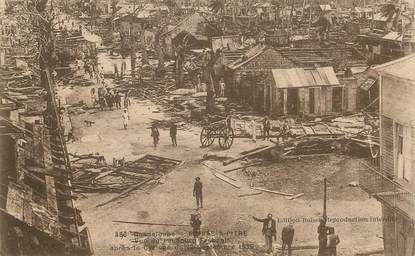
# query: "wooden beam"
249 154
242 167
124 193
217 175
151 224
273 192
295 197
250 194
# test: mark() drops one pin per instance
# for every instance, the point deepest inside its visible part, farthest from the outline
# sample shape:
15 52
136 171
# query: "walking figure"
125 118
266 127
173 134
197 193
156 135
269 230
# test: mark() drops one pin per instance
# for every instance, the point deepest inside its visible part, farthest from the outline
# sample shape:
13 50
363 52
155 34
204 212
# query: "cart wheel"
226 137
206 138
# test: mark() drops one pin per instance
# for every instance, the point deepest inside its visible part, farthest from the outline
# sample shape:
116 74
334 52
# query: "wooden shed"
297 91
246 75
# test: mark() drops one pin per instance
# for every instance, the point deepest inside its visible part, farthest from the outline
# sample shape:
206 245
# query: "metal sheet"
298 77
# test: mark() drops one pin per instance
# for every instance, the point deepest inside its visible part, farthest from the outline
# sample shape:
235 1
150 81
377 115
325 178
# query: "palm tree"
392 12
217 6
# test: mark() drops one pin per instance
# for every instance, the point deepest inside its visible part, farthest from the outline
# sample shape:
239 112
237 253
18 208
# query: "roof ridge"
387 64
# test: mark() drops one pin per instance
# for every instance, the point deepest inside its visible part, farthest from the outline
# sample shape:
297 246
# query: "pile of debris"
355 135
93 175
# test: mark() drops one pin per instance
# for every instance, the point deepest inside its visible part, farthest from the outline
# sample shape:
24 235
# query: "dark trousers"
284 244
266 134
173 140
199 200
322 250
268 243
155 141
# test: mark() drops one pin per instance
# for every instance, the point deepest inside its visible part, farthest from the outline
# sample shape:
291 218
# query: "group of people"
155 134
327 238
269 230
282 127
110 98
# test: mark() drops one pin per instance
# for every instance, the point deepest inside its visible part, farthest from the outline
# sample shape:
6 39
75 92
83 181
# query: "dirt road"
227 216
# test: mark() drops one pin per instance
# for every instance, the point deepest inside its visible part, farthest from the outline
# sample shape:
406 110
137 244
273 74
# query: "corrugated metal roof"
248 56
298 77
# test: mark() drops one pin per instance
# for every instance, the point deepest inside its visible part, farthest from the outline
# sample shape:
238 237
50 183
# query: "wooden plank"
225 179
227 162
150 223
295 196
217 171
242 167
273 192
305 156
124 193
250 194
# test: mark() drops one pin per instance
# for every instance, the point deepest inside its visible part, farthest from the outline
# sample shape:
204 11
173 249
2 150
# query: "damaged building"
390 179
38 213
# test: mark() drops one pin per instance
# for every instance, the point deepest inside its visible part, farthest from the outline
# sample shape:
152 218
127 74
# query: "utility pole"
325 200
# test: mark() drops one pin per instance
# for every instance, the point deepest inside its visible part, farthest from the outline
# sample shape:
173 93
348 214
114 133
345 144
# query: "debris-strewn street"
207 127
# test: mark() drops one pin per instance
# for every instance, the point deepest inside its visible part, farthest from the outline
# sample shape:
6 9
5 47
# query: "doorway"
337 99
292 101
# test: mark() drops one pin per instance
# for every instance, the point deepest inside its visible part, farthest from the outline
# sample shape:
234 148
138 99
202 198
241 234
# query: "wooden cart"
218 130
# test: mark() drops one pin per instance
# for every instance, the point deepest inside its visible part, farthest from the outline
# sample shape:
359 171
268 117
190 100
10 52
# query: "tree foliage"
36 32
217 6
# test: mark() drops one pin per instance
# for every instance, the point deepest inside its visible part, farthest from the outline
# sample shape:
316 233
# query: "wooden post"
325 200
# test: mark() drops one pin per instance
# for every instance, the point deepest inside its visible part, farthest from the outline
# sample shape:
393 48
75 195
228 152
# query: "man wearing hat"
269 230
197 192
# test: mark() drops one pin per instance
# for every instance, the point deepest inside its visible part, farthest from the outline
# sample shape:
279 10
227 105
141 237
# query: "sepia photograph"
207 127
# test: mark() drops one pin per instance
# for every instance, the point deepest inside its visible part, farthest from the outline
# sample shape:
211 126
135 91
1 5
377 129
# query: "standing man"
195 222
117 99
322 237
127 101
269 230
284 130
173 134
332 242
287 236
197 193
155 134
125 118
266 127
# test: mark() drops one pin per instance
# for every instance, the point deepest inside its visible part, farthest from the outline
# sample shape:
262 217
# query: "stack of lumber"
103 179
